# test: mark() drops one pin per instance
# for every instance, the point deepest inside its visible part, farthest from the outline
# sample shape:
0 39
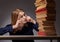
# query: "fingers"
28 18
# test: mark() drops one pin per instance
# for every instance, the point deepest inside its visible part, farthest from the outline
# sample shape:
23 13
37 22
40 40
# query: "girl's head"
17 14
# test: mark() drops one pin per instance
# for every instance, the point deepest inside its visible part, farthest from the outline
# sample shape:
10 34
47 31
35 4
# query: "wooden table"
29 37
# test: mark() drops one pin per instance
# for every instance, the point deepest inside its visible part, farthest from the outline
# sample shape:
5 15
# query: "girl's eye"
21 16
24 14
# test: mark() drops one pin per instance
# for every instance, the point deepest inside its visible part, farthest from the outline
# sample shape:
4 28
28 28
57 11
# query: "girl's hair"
14 15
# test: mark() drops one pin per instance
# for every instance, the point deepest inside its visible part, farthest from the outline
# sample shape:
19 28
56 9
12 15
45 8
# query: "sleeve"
6 29
35 26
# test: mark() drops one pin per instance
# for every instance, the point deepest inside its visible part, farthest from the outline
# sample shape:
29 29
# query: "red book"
41 10
42 33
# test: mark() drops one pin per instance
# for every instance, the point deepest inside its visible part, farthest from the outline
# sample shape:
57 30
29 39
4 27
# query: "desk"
29 37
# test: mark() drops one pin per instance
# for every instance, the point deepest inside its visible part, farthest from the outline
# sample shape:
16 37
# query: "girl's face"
22 16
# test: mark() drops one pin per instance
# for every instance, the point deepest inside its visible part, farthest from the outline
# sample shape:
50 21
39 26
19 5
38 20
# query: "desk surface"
28 37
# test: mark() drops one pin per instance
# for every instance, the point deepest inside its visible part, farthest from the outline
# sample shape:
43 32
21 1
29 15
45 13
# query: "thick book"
42 19
41 16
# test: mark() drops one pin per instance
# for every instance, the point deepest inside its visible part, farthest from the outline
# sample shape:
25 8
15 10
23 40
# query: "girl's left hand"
29 19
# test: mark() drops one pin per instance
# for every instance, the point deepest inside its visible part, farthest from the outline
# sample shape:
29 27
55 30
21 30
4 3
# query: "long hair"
14 15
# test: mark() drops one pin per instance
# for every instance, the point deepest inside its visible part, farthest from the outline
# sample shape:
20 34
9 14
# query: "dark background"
7 6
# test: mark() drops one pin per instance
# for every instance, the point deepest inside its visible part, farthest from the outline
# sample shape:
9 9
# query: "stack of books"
41 14
45 16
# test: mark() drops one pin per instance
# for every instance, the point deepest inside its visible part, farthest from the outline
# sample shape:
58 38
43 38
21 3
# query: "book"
42 19
43 10
41 16
40 2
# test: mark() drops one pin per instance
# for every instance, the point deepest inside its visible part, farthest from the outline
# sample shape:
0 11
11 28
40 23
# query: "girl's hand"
29 19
